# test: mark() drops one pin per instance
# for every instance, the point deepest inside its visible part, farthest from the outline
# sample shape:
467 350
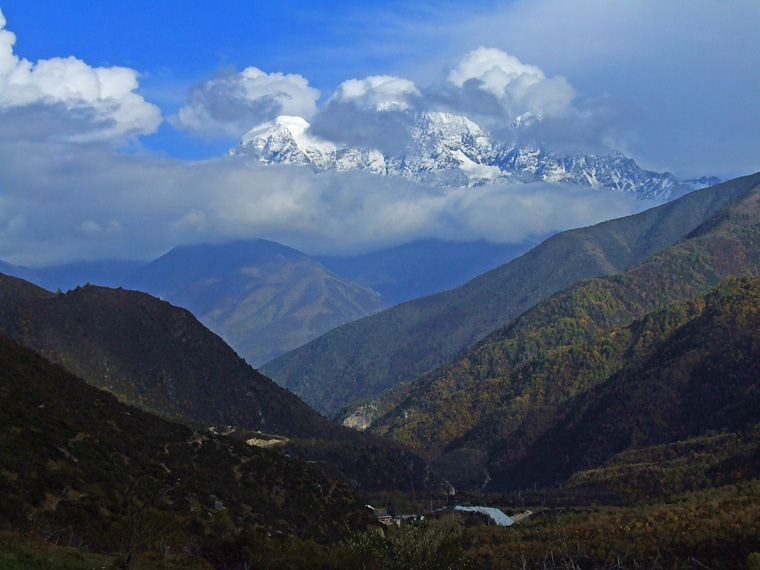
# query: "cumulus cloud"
374 112
496 70
490 75
488 85
377 93
99 204
232 103
95 103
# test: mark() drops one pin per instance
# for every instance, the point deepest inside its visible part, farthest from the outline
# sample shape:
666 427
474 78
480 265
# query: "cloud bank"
99 204
487 85
373 112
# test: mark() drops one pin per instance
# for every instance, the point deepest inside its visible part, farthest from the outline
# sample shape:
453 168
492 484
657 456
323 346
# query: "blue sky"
679 71
174 45
672 84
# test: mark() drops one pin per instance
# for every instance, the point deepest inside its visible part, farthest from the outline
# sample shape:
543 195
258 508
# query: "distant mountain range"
451 150
264 298
359 361
421 268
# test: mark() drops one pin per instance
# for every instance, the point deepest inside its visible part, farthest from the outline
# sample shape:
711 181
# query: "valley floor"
716 528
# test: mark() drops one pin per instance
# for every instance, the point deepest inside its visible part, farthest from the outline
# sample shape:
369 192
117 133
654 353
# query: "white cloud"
374 112
496 70
232 103
377 92
8 61
520 88
684 73
102 99
487 85
59 204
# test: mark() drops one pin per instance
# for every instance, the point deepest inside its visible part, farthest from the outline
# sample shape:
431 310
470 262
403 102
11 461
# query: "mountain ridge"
363 359
451 150
499 397
262 297
145 349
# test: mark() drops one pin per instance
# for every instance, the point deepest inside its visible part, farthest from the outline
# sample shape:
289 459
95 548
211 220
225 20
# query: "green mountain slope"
263 298
78 467
702 373
363 359
488 408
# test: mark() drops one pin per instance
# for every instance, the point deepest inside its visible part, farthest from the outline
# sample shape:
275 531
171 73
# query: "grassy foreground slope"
80 468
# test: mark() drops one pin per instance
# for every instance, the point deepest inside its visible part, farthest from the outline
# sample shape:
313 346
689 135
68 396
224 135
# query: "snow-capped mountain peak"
525 120
287 140
702 182
451 150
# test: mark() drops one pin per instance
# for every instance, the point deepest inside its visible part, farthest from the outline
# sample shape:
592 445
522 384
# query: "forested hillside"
153 355
363 359
492 405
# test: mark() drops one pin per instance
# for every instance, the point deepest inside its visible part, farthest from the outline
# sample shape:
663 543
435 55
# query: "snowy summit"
451 150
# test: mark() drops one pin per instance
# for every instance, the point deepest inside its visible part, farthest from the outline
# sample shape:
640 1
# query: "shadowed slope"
152 354
81 468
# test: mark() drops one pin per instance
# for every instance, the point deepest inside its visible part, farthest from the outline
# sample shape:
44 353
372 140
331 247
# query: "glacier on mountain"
451 150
